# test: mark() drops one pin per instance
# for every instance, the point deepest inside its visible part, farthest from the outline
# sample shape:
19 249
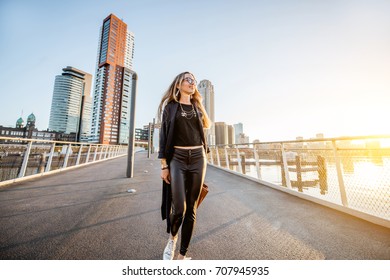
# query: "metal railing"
353 172
20 157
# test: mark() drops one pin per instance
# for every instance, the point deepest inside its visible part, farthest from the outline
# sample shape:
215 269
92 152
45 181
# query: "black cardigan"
166 150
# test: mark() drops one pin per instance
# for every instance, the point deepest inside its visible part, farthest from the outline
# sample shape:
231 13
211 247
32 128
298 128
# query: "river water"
366 183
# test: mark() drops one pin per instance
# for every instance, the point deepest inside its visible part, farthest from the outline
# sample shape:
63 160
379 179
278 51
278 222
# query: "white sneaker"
169 251
185 259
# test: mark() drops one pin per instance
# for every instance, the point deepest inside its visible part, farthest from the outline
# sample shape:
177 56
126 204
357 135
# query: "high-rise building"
231 135
238 129
206 89
71 103
113 83
221 133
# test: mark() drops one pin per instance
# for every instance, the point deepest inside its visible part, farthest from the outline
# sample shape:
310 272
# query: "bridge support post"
343 194
243 163
67 156
25 160
322 175
101 152
299 172
107 152
227 158
238 161
88 153
95 153
48 164
285 167
218 160
257 162
79 154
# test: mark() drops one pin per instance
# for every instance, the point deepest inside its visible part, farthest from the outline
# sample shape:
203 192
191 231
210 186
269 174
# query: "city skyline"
283 69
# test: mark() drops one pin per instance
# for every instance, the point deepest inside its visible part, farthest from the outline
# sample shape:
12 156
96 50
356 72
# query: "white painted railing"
22 158
349 173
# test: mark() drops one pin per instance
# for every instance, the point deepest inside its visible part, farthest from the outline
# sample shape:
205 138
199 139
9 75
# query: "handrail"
49 141
22 158
351 172
343 138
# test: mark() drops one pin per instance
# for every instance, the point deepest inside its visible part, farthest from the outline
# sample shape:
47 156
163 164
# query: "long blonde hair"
174 94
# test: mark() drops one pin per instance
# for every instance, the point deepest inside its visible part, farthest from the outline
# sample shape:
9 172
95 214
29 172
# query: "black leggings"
187 170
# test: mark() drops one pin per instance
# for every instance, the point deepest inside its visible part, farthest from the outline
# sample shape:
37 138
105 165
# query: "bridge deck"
87 213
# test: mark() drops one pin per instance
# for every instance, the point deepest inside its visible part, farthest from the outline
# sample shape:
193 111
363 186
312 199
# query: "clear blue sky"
282 68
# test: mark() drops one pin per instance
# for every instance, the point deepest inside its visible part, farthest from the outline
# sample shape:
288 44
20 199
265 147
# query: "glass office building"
71 103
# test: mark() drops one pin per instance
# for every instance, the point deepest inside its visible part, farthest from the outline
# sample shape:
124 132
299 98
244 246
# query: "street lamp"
130 151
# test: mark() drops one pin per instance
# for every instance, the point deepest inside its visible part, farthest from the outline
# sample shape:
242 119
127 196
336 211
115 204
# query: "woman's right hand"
165 175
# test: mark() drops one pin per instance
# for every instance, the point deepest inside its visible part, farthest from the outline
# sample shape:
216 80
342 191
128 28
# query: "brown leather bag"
203 192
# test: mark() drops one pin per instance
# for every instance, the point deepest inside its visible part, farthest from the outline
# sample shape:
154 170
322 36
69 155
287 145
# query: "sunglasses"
190 80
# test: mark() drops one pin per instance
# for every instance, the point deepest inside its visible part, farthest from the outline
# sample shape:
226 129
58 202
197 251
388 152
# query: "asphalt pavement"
96 213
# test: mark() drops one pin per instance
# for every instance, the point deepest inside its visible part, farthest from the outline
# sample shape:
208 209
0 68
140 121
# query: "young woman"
183 161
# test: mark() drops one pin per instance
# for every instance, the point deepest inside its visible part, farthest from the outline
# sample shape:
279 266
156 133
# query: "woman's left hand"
166 176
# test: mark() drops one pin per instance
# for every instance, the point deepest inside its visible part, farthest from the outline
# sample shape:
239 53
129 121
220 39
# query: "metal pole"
95 153
343 194
149 139
25 160
48 164
79 154
89 151
130 151
257 161
67 155
227 158
239 160
217 154
106 151
101 152
285 167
